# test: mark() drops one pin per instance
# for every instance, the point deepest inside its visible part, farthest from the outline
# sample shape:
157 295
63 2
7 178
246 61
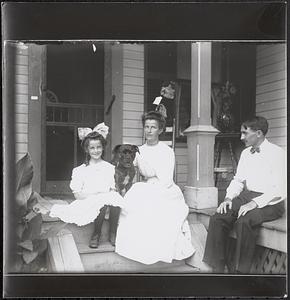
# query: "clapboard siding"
132 54
21 60
21 128
133 72
22 70
23 79
271 100
133 132
21 100
133 106
21 118
275 67
133 89
134 64
133 93
130 80
271 95
21 138
264 61
133 124
272 77
181 165
21 88
281 122
134 47
268 87
270 105
131 115
21 108
137 98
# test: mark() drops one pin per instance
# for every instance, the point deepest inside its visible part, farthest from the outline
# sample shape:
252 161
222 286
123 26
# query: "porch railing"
72 114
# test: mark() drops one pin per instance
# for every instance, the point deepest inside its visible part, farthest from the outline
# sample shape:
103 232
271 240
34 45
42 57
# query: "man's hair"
154 115
257 123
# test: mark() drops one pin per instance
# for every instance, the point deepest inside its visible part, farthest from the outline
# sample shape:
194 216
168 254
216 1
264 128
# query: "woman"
153 225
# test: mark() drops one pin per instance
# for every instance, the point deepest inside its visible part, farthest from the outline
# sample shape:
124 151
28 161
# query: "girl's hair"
93 136
154 115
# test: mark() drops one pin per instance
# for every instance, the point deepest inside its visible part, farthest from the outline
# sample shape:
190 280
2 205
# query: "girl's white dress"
96 181
153 225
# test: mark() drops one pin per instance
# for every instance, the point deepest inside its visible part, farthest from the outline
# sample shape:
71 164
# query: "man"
255 195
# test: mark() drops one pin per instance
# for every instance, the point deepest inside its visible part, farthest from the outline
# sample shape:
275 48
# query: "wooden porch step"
105 260
111 262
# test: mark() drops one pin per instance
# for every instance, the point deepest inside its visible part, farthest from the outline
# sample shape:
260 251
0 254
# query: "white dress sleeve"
144 166
165 168
77 182
112 178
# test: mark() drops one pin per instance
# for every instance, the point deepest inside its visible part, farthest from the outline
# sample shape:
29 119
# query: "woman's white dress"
152 225
96 181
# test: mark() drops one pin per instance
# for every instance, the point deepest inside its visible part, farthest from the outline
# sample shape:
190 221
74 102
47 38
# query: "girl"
93 186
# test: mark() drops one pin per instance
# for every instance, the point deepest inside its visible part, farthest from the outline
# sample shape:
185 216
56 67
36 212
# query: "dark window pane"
75 73
59 152
162 57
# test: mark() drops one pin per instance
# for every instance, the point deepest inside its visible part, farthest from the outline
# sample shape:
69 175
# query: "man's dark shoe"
94 242
112 239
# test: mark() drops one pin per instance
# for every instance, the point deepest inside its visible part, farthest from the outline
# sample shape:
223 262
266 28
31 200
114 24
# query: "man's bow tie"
253 150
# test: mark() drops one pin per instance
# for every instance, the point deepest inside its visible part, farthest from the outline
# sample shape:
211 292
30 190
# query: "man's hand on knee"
246 207
222 209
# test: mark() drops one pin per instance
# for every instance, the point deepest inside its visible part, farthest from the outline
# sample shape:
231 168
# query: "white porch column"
200 191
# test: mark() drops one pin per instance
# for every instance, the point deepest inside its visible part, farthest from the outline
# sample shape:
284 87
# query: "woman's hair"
154 115
257 123
93 136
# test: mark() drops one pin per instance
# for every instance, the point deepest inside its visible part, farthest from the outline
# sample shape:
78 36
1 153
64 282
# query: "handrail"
74 105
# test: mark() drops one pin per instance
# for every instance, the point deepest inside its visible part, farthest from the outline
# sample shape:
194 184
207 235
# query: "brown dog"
123 157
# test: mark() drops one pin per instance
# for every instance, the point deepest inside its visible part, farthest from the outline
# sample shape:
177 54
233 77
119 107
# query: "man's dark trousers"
246 228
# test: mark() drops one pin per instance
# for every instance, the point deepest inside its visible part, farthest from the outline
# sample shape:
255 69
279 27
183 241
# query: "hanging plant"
222 96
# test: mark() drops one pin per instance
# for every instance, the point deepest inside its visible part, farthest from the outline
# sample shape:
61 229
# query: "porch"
131 73
69 251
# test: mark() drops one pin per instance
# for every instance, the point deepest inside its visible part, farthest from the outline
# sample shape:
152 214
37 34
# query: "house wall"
181 153
133 93
271 90
21 100
133 101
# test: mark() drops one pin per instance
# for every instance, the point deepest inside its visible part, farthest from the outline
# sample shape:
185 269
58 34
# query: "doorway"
74 97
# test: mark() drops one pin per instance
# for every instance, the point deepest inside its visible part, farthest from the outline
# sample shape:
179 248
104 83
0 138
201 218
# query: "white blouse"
92 179
156 163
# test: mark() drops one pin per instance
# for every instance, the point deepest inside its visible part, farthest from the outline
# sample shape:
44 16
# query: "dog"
123 157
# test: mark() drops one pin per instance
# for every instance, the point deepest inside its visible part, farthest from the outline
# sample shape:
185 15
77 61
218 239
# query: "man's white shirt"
263 172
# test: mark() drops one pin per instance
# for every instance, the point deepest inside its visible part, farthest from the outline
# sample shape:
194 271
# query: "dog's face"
124 155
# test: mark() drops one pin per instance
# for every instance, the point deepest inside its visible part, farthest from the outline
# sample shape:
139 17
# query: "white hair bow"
101 128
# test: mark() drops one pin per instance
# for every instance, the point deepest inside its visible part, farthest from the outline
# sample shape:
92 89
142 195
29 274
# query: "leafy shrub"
31 238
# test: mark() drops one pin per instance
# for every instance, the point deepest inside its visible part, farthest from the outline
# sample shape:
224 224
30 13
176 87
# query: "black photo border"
133 21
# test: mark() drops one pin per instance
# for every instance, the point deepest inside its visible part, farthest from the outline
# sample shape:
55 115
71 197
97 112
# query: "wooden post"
36 101
200 191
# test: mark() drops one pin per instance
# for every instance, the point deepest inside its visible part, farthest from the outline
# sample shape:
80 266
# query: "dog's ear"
135 148
115 153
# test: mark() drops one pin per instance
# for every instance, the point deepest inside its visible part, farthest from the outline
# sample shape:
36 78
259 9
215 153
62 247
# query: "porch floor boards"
105 260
